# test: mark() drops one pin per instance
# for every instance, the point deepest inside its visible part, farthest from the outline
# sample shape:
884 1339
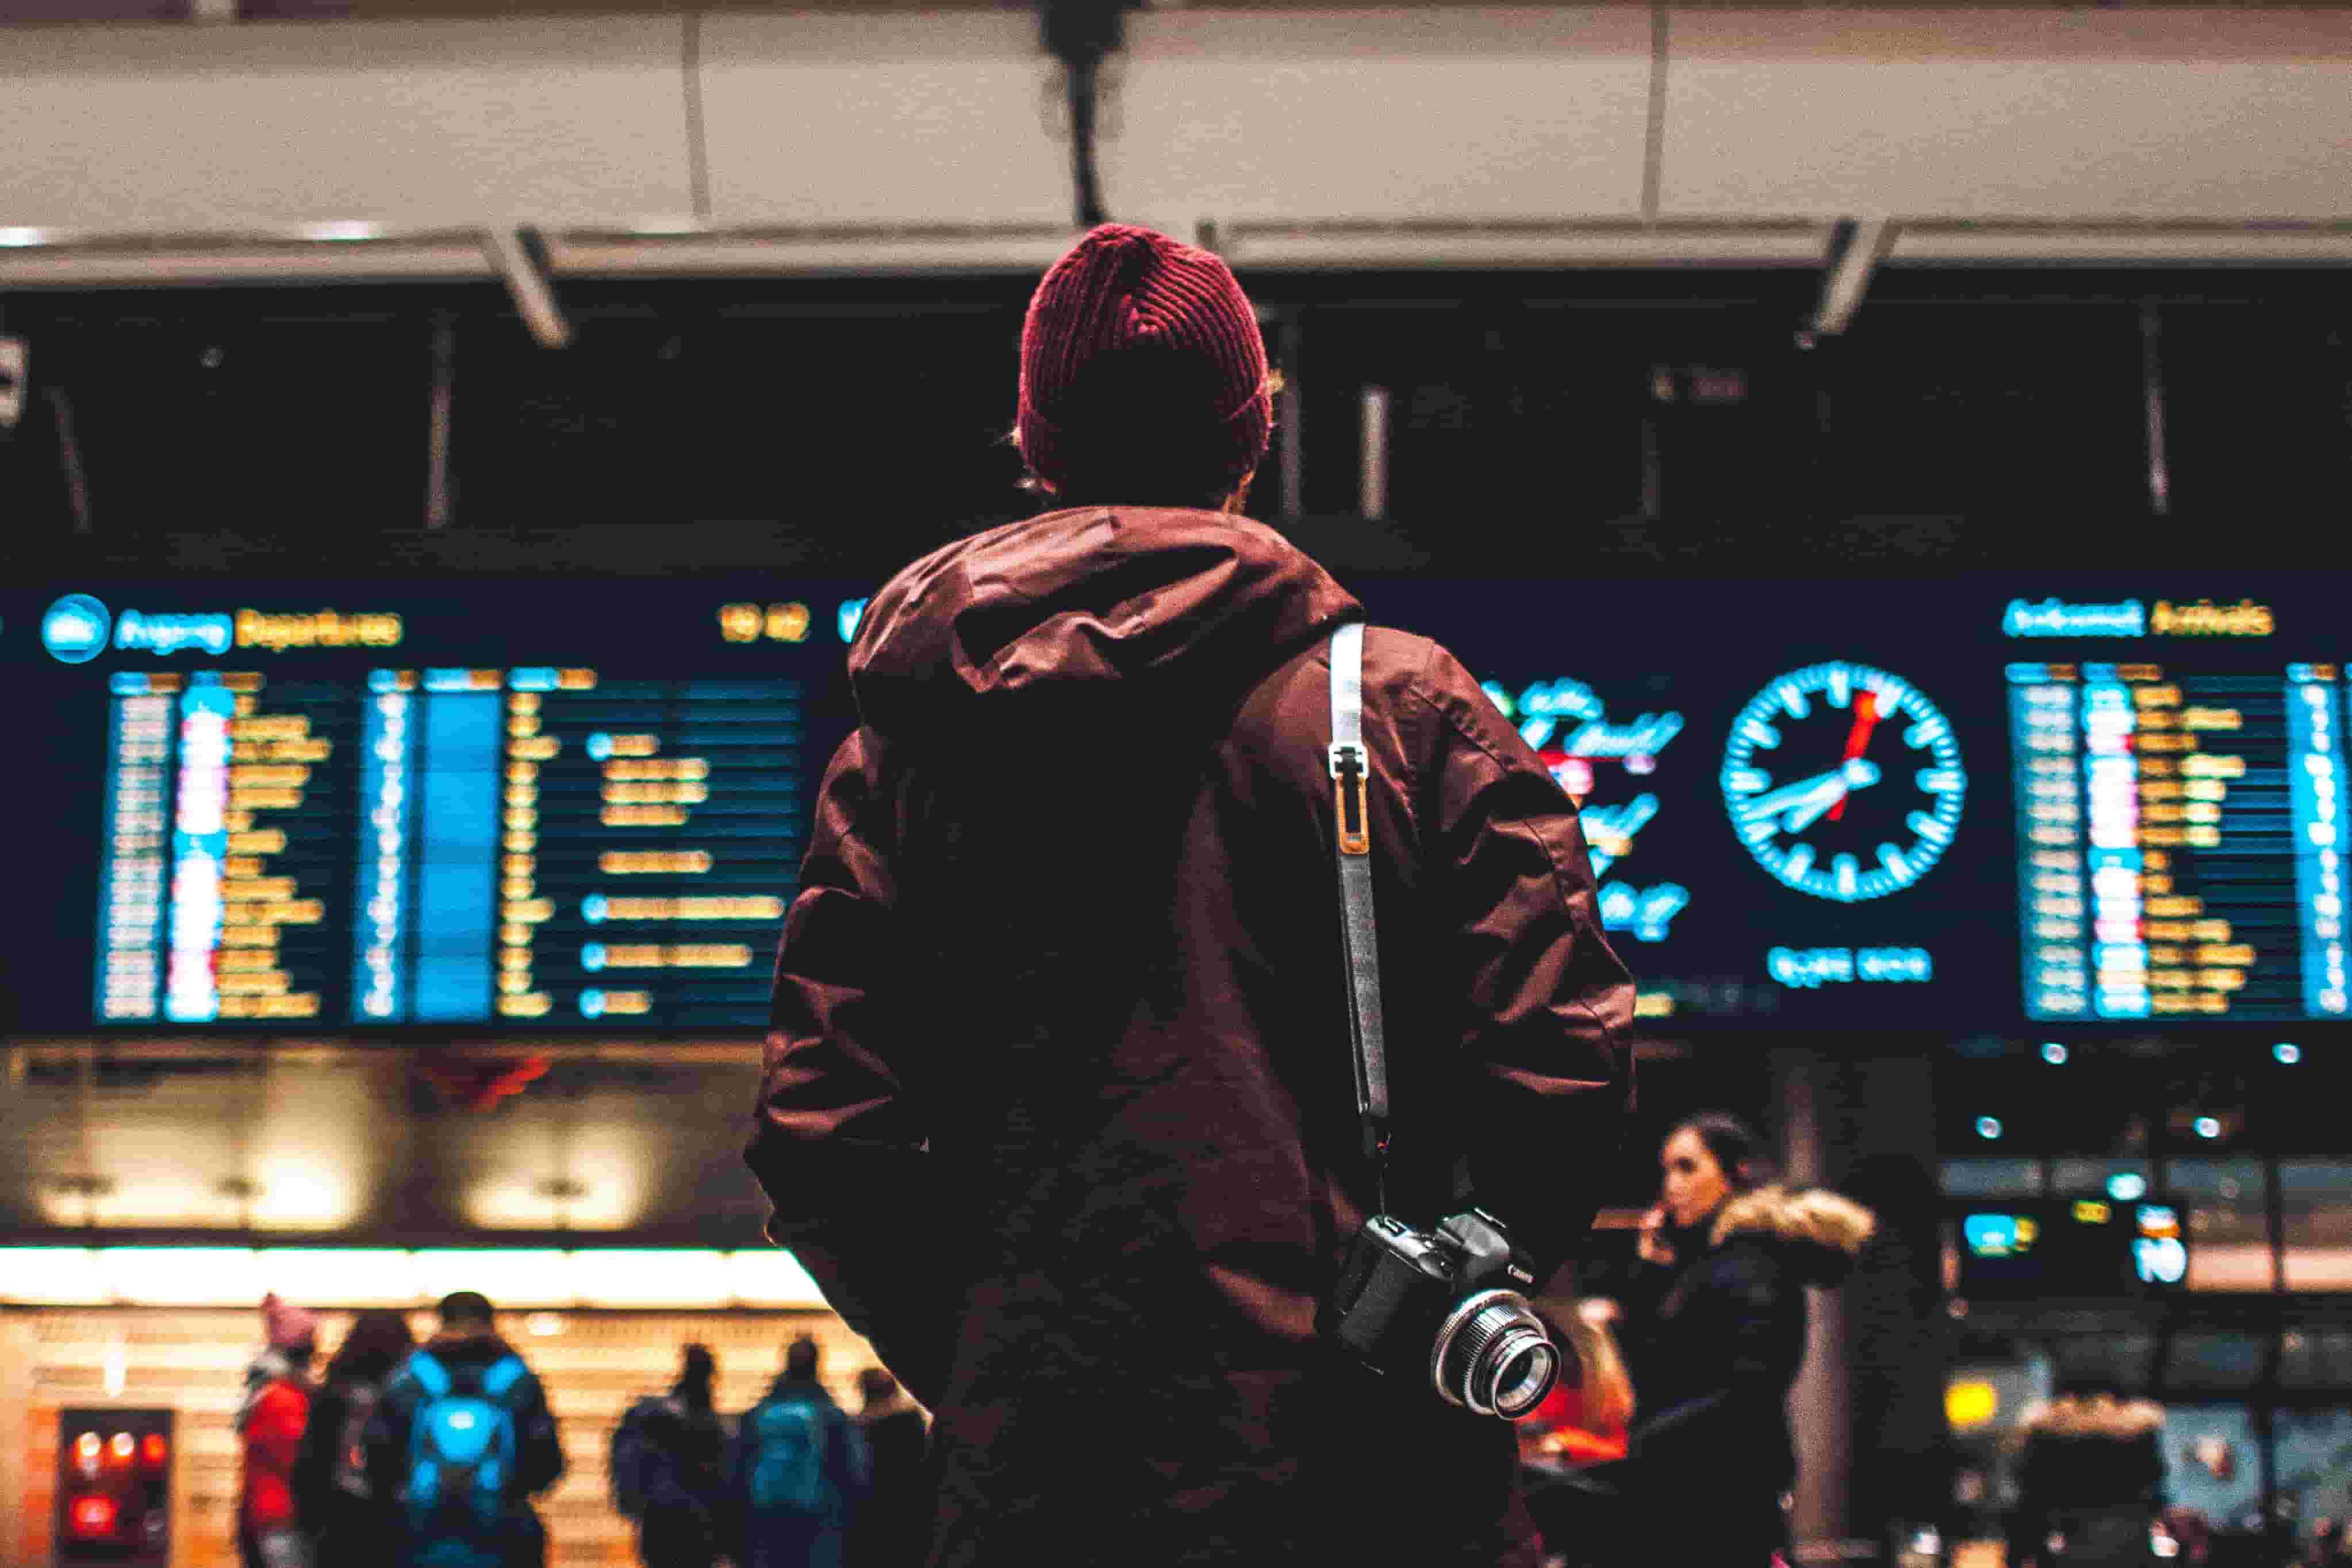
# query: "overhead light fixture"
2054 1053
1988 1127
521 257
2287 1054
342 231
1856 247
14 355
22 238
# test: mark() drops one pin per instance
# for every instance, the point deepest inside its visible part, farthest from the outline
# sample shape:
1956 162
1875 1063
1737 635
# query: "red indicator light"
93 1515
154 1449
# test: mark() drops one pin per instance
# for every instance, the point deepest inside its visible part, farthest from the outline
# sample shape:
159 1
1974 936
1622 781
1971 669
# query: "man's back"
1070 920
799 1471
462 1438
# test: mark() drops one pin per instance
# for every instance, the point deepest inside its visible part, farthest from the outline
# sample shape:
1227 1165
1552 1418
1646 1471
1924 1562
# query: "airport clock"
1843 781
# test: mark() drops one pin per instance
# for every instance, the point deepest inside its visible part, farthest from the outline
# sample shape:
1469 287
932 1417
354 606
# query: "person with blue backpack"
463 1439
800 1470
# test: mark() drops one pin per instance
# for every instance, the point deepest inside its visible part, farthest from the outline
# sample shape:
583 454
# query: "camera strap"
1359 947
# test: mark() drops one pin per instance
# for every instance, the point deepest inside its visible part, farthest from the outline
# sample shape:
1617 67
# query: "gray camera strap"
1351 775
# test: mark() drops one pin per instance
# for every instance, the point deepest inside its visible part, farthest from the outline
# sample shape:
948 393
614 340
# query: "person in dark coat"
799 1473
669 1468
2091 1482
891 1523
467 1359
1715 1335
1059 1100
345 1521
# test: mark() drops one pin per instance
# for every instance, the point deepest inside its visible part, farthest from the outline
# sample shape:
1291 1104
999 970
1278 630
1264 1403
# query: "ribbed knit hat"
287 1326
1142 371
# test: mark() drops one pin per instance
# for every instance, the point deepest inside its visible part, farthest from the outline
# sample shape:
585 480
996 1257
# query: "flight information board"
309 830
487 806
2178 833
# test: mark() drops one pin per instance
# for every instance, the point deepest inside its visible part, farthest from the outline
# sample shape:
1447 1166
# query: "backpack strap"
430 1375
503 1375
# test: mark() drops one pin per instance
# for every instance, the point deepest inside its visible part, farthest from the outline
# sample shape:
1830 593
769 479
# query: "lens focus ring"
1484 1334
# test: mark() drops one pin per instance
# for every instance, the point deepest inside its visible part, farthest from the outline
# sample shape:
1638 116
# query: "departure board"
297 827
486 807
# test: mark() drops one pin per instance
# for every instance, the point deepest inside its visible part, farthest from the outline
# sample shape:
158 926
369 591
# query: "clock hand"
1858 774
1789 796
1857 741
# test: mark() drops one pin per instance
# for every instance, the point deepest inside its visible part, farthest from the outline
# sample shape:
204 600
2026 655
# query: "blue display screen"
491 805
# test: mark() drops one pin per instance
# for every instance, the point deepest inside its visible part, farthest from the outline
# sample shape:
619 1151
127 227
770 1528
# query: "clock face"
1843 781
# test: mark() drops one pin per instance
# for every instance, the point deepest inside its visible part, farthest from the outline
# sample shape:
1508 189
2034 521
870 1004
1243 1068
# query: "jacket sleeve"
273 1438
539 1462
1544 1003
837 1145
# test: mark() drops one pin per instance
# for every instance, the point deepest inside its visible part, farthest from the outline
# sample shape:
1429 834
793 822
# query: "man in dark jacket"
463 1439
1059 1097
668 1462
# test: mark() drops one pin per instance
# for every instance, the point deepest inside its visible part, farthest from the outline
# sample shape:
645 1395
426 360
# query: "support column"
1867 1407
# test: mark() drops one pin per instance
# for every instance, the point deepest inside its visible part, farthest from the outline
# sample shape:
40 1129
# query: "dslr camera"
1439 1304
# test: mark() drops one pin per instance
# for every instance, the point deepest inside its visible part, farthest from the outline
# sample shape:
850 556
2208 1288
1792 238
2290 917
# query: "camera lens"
1492 1356
1525 1368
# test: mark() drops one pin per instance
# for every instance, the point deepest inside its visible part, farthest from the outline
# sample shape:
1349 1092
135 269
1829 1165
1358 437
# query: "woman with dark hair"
345 1521
1715 1334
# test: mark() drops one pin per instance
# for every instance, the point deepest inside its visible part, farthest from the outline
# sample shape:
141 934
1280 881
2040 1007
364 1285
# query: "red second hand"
1857 741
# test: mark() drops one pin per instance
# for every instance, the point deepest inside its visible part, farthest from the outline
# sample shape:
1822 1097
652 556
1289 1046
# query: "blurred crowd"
401 1454
398 1454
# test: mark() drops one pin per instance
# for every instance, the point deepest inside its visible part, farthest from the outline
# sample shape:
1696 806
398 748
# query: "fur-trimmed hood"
1819 1231
2100 1416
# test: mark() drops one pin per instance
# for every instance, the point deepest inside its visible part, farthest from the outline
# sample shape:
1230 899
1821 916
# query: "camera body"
1438 1306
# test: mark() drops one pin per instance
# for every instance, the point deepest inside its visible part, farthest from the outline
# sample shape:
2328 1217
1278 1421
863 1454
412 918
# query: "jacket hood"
1819 1232
2100 1416
1090 611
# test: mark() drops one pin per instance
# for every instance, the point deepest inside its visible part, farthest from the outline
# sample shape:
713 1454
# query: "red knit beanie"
1143 374
290 1327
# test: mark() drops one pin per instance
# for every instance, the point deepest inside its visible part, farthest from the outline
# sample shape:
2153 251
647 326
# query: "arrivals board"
481 806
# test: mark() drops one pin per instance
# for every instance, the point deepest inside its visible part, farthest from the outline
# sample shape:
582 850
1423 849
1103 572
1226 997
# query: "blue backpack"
461 1445
788 1441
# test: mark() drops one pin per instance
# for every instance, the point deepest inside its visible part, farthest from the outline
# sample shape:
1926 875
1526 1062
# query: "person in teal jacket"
800 1470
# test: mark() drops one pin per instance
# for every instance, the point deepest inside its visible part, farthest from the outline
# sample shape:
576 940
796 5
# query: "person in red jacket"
269 1430
1059 1099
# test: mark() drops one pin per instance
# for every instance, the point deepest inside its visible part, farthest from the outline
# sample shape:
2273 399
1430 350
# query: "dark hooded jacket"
1714 1343
1059 1103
